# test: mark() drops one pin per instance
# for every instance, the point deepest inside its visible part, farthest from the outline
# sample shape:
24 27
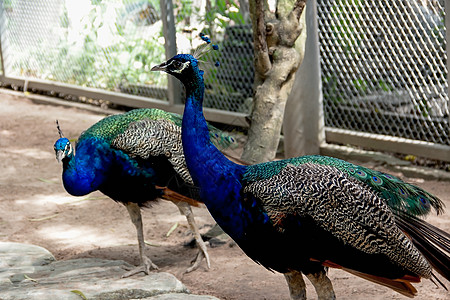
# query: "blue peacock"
306 214
136 158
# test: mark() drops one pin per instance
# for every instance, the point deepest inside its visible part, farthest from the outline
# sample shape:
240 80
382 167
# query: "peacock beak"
160 67
59 155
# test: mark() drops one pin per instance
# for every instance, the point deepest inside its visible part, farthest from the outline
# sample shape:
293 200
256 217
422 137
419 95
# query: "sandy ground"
37 210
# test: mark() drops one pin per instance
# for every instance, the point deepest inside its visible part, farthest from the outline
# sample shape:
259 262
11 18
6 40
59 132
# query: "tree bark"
276 61
244 9
303 124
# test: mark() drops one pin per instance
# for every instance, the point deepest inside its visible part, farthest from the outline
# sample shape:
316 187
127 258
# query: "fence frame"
332 135
384 142
174 103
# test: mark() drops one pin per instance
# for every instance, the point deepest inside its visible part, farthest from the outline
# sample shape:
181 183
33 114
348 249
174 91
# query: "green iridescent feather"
110 127
399 195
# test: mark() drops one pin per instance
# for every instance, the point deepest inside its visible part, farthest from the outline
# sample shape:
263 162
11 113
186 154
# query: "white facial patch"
69 151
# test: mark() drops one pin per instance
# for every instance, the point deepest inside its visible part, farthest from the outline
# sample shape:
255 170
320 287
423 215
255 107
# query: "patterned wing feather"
162 137
341 205
108 128
153 138
399 195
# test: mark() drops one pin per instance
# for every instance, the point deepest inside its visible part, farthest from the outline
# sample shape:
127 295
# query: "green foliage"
8 4
352 35
222 14
385 86
330 90
228 9
126 56
184 10
345 32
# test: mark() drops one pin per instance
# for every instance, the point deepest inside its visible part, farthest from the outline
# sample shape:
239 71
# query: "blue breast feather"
91 166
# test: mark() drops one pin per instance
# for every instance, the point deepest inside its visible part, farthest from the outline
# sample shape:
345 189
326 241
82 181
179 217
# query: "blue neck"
204 160
84 172
218 178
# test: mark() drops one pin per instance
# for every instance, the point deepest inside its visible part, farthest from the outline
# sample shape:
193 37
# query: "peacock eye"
176 64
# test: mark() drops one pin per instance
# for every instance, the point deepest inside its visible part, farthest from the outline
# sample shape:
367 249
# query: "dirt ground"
37 210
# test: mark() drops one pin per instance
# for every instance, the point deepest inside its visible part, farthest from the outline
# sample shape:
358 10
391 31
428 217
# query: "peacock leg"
322 284
297 287
146 264
186 210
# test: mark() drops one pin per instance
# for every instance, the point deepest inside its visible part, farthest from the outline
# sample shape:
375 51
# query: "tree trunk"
303 124
276 61
243 8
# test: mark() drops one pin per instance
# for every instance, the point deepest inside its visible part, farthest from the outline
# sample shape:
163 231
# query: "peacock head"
182 66
63 147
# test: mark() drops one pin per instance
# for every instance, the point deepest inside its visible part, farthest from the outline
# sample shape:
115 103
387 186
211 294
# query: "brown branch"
262 63
298 8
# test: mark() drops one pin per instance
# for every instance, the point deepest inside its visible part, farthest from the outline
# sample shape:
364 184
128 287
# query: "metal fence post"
2 39
447 42
169 30
303 125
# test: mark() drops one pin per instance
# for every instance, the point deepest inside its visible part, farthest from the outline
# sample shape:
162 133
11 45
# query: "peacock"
306 214
135 158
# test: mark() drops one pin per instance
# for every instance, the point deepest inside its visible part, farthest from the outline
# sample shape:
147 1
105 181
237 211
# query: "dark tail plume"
431 241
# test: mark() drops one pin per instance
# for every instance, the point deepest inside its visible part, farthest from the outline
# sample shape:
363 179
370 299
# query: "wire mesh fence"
383 62
109 45
112 45
228 87
384 67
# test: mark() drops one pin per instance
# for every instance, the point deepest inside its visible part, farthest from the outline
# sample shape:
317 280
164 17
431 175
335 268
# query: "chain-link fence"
228 87
109 45
384 67
383 62
112 45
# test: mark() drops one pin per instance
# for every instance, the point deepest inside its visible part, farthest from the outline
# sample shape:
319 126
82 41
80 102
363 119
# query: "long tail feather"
434 277
401 286
431 241
173 196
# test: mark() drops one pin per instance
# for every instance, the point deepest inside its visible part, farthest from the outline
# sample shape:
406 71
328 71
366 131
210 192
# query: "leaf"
89 198
44 218
152 244
46 180
29 278
174 226
79 293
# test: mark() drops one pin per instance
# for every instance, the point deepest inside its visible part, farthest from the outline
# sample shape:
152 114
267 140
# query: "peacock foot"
146 266
202 253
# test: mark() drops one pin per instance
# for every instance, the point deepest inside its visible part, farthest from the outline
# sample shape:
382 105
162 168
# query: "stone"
18 255
32 273
182 297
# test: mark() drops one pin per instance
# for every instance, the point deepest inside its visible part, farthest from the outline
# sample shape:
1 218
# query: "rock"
213 232
32 273
216 236
20 258
182 297
19 255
